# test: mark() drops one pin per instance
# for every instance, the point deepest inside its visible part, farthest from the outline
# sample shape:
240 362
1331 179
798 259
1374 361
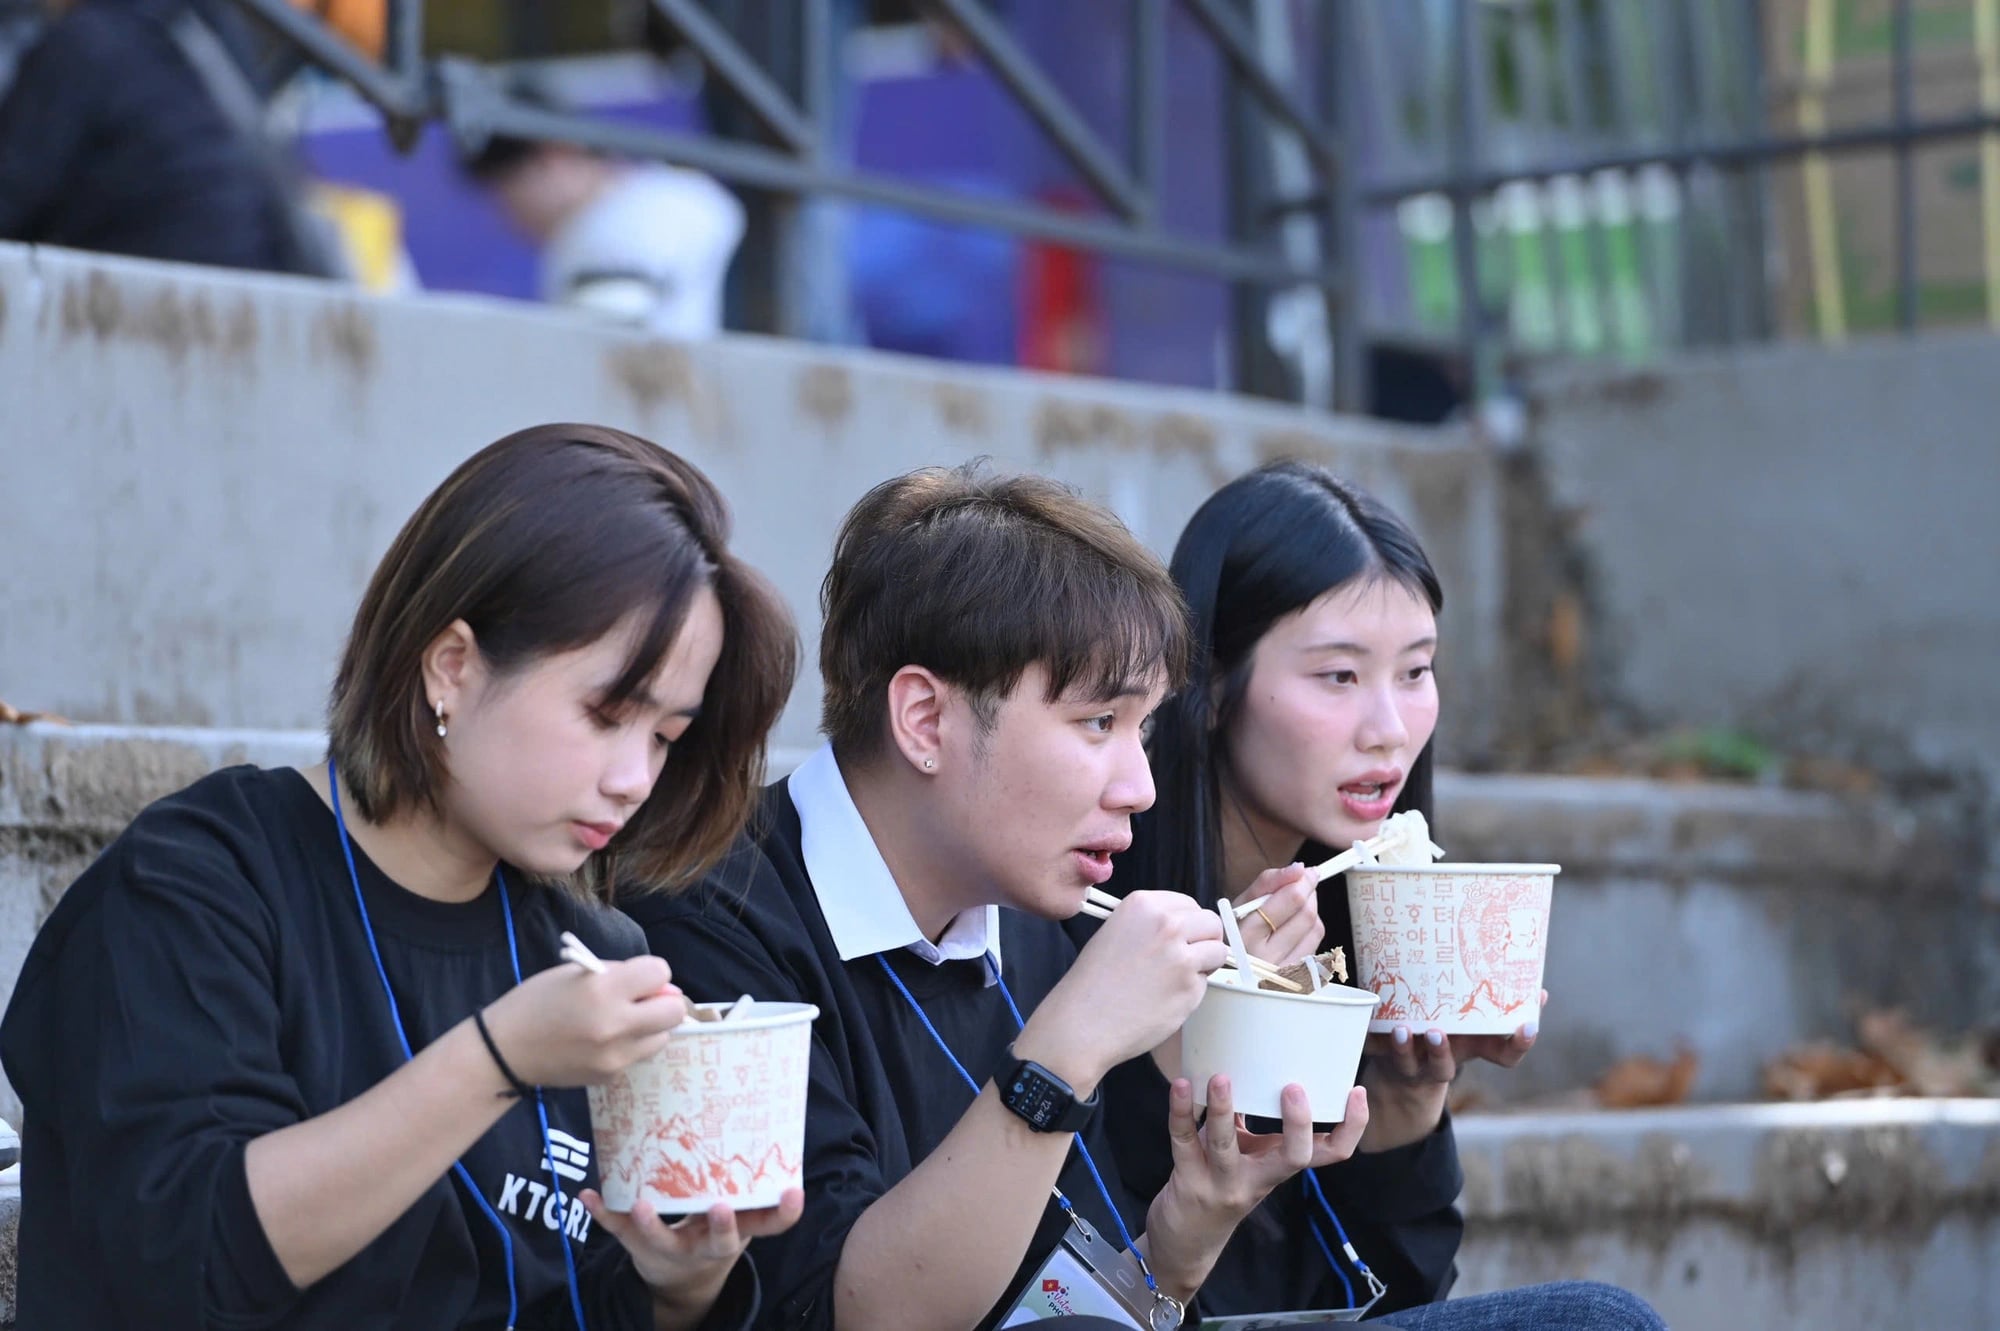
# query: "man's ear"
916 714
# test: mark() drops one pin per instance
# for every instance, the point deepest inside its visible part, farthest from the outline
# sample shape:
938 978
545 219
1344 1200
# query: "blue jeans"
1568 1305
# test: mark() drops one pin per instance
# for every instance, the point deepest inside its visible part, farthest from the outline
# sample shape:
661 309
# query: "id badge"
1065 1287
1283 1321
1086 1275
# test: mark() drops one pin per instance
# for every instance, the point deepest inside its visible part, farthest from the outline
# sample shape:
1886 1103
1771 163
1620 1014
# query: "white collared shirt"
864 909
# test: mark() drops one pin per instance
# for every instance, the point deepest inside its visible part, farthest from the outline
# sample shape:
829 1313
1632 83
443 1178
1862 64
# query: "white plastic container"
1264 1040
1457 948
719 1115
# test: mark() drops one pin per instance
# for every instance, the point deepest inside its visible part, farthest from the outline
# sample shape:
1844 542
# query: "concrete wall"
1799 542
1796 539
202 468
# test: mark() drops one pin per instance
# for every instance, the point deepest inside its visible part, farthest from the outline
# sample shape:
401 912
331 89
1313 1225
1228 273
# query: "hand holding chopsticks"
579 1022
1406 836
574 950
1099 905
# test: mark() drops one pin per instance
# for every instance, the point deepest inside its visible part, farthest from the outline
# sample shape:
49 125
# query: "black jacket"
882 1096
110 141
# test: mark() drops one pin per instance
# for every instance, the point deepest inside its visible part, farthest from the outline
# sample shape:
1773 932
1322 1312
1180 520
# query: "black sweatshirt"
208 980
110 141
882 1095
1399 1207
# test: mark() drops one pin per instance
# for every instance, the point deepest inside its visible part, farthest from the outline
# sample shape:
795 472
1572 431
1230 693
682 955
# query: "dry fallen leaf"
1927 1063
1638 1081
1566 630
1820 1071
1895 1057
1831 774
14 716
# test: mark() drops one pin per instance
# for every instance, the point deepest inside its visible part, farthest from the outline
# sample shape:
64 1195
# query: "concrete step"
1843 1216
1738 920
1735 919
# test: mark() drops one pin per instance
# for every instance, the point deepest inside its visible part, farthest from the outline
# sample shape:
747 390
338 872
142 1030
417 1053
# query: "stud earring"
440 711
930 764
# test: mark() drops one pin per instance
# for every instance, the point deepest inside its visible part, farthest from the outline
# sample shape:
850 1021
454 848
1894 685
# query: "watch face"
1042 1099
1037 1099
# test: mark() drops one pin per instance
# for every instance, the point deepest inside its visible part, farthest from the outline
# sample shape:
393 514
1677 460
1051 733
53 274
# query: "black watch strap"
1044 1101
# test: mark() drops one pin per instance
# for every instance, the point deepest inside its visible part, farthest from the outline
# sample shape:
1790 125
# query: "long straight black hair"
1264 546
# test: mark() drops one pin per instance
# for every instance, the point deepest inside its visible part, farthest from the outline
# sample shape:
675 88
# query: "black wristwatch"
1044 1101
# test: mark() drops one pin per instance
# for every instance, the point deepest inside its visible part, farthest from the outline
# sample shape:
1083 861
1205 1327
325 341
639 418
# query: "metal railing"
1260 259
1741 154
411 90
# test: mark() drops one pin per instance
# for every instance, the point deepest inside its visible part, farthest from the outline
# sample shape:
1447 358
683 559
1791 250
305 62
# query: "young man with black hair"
991 652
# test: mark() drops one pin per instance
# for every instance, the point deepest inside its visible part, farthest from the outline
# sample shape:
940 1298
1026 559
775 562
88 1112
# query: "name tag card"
1086 1275
1065 1287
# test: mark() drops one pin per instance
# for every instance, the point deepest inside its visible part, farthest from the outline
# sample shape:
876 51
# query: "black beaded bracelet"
521 1089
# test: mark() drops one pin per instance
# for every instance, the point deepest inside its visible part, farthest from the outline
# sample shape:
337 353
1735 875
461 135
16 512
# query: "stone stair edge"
1773 1168
1590 825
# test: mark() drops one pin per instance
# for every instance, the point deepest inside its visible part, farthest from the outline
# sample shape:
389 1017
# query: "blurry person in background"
137 127
20 23
638 241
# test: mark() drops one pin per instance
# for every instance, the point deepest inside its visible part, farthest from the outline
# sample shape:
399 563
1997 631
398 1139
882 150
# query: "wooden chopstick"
1099 905
574 950
1264 970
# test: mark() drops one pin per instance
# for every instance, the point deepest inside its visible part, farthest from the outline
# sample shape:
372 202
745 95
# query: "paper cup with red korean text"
719 1115
1452 947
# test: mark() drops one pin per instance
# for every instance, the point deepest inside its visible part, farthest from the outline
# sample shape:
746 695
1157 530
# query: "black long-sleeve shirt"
110 141
209 980
881 1095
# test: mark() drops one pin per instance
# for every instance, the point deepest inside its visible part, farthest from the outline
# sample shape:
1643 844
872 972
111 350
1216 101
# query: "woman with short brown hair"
298 1050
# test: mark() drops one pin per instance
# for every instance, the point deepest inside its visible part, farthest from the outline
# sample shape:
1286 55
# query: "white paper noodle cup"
1452 947
1264 1040
719 1115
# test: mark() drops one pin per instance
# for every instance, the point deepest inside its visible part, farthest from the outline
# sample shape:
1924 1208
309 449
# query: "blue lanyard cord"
1123 1233
402 1038
542 1117
1312 1186
1346 1285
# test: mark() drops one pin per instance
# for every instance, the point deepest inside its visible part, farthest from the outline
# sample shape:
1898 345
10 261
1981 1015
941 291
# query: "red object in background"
1062 317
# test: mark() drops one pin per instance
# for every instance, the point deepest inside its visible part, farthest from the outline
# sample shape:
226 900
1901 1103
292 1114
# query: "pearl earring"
440 711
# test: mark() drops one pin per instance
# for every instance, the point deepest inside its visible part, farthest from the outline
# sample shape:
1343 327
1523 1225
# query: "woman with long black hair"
1306 721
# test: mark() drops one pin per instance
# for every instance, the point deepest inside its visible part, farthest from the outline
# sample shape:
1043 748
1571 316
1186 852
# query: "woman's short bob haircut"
543 543
1264 546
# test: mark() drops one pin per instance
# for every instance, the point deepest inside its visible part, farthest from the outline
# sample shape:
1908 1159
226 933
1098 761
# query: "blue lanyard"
541 1109
1312 1223
1124 1234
